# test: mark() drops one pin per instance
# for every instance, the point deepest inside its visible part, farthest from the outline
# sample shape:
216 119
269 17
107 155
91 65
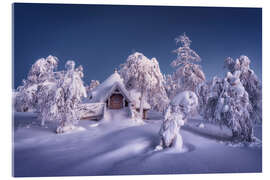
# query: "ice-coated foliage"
54 95
144 74
250 82
208 94
188 75
171 86
187 101
41 72
67 96
45 103
227 103
42 69
175 117
93 84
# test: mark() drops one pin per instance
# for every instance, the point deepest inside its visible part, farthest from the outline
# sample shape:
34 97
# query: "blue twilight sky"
100 37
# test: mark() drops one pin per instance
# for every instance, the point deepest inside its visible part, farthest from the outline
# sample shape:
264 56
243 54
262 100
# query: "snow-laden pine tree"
208 94
144 75
188 74
41 73
228 104
175 116
251 83
65 99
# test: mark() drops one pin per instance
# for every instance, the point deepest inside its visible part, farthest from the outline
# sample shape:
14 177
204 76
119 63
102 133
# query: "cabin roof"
103 91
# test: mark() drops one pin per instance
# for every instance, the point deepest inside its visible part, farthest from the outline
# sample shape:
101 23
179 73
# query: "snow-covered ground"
119 147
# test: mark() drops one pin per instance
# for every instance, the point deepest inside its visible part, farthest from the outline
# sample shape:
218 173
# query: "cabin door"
116 101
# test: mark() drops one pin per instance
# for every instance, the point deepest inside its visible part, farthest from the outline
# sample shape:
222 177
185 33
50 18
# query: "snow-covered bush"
175 116
188 74
250 82
144 75
41 72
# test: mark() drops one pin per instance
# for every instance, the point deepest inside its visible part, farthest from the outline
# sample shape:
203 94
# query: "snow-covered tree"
144 74
170 86
208 94
188 74
41 72
176 114
228 104
93 84
251 83
202 92
64 101
46 94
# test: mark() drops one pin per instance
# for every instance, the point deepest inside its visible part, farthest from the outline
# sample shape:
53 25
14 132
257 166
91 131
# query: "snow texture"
120 149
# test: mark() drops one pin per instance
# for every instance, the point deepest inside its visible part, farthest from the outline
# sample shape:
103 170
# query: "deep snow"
116 146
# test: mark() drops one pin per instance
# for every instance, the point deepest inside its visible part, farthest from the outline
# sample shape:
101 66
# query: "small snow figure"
176 115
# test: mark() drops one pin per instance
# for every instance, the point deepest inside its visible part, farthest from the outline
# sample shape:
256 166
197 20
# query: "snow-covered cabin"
112 94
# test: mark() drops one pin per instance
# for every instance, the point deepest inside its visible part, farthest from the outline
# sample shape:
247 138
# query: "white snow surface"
118 147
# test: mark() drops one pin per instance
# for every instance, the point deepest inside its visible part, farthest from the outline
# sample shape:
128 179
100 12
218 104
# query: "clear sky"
100 37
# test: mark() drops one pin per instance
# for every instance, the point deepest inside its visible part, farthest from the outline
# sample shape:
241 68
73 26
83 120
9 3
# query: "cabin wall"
116 101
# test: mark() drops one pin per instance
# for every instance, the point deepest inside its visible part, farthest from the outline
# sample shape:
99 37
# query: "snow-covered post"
175 117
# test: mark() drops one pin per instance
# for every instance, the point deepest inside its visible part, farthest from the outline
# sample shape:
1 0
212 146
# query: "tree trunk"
142 103
246 135
42 122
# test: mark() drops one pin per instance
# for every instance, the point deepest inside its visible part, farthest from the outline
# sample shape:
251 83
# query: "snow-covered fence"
91 110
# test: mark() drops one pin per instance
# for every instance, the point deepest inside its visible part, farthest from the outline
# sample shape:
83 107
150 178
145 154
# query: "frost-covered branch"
188 75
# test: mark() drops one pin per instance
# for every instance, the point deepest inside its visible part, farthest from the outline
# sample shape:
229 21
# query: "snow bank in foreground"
113 149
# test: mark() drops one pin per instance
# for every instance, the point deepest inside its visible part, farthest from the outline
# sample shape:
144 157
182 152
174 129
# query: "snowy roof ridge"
121 88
